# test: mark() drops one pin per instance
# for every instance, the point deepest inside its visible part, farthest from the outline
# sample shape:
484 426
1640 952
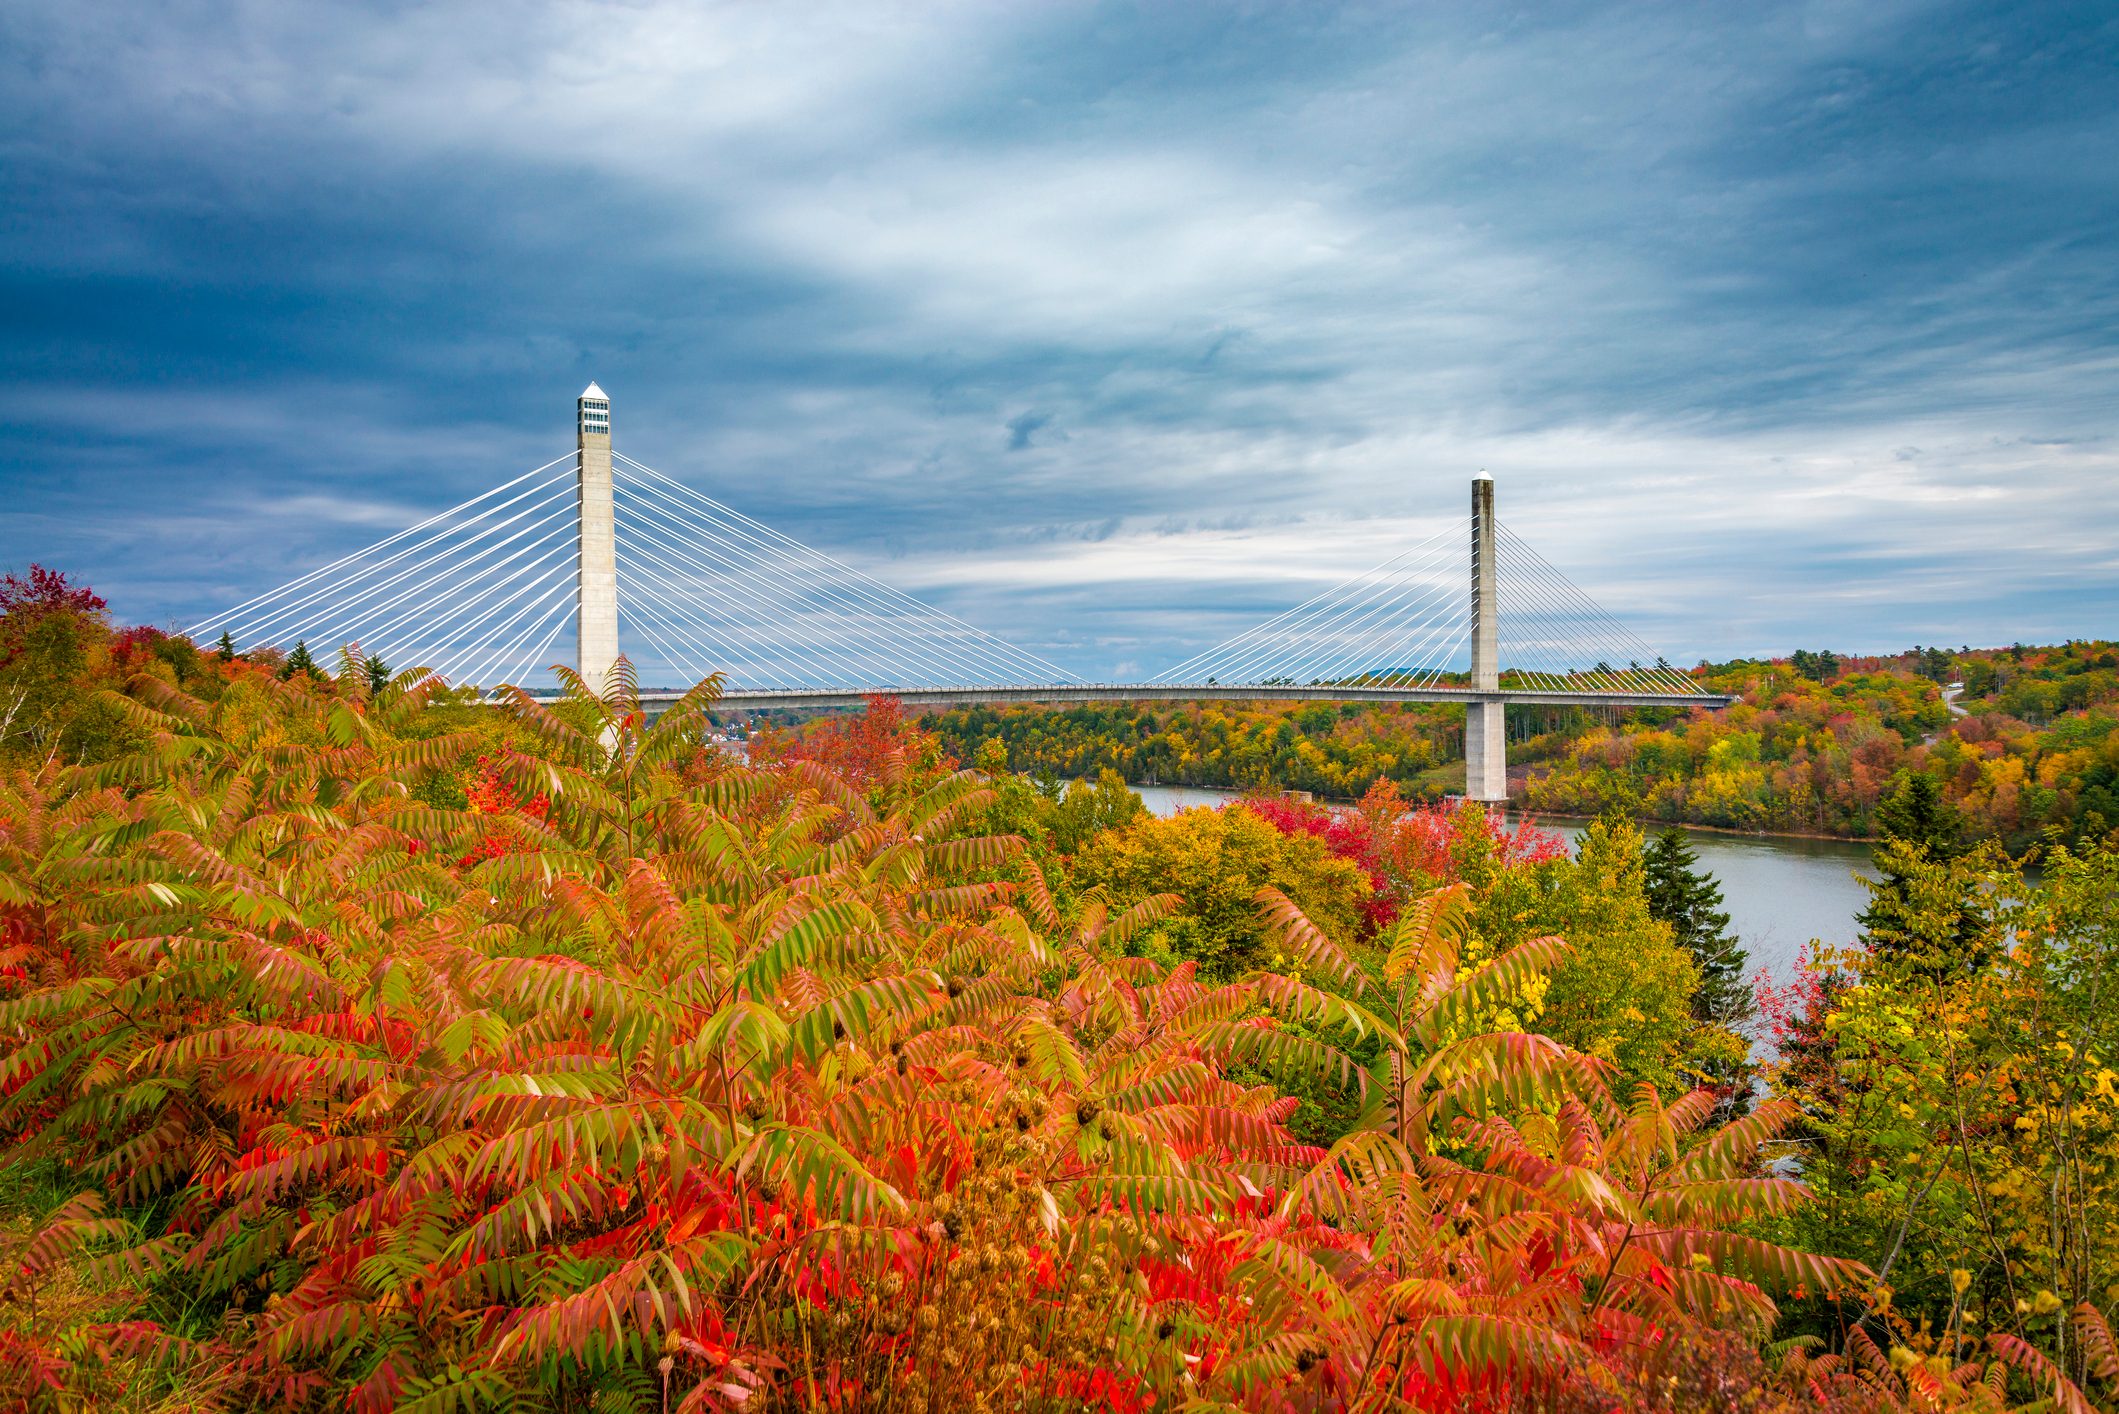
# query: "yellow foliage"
1217 860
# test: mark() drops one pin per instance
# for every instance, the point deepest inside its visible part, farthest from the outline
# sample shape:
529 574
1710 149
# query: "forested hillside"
1814 744
1324 747
1818 743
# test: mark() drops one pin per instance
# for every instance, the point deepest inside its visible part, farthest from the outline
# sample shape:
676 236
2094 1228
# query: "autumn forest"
2025 743
371 1046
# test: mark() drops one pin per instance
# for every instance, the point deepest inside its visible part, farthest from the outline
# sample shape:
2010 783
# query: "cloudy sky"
1110 329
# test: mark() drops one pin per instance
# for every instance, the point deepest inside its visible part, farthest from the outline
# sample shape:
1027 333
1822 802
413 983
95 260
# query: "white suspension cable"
205 625
1214 656
443 601
686 599
805 612
509 660
1196 666
1323 632
282 623
1552 620
1428 641
1517 611
428 638
1552 673
862 584
1658 669
1346 645
1414 630
1556 642
430 615
1579 605
1351 641
686 594
639 612
255 628
684 620
814 599
1448 637
530 659
691 665
469 669
860 616
526 595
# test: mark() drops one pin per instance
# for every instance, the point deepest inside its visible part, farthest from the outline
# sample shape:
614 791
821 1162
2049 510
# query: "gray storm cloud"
1778 326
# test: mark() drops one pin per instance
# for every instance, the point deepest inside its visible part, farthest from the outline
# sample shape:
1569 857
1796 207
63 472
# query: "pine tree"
1926 907
299 660
378 673
1916 813
1819 667
225 649
1690 900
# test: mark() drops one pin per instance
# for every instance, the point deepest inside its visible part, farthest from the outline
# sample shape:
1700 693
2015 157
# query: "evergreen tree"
299 660
378 673
1625 992
225 649
1916 813
1690 900
1926 906
1819 667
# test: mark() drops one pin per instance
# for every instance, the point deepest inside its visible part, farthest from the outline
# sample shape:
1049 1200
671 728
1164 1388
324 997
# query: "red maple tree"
46 592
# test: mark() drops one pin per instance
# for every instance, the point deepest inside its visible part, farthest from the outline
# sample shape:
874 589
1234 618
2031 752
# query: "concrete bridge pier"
1485 737
596 545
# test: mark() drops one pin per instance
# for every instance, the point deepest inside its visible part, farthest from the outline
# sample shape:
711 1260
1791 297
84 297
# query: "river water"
1780 892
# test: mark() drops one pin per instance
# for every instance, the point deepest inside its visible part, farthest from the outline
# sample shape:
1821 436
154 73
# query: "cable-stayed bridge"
494 590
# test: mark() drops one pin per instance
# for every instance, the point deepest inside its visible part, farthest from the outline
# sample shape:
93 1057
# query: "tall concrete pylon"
596 584
1485 741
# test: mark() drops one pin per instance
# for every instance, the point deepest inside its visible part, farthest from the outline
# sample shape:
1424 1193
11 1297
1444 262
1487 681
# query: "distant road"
1950 695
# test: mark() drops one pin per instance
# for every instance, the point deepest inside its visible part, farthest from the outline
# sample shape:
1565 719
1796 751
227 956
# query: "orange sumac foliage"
752 1094
488 794
1408 849
863 750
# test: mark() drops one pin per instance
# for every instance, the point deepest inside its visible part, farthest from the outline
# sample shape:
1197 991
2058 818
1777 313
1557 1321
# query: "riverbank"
1651 823
1646 822
1782 892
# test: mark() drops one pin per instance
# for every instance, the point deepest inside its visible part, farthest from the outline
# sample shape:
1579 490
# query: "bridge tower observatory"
1485 740
596 585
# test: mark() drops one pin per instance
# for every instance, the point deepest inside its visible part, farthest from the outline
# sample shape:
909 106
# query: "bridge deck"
740 699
